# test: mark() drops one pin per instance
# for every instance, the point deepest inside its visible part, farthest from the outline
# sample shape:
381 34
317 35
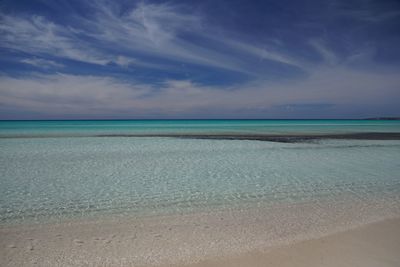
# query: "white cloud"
124 61
65 95
42 63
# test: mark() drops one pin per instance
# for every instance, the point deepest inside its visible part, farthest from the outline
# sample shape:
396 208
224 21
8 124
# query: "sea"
63 170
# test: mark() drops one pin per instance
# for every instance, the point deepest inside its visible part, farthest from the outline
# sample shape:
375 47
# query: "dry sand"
373 245
259 236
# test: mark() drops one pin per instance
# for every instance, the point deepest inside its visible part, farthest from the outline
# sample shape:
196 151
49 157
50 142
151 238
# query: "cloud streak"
35 34
42 63
151 30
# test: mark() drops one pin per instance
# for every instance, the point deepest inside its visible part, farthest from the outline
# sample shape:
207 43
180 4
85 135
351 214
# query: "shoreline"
184 239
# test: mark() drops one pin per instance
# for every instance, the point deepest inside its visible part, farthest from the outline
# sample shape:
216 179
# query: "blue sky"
199 59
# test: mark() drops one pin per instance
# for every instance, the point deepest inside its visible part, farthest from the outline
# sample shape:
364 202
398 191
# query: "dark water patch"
295 138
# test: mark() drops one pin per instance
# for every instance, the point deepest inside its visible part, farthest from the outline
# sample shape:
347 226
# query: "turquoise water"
55 178
90 128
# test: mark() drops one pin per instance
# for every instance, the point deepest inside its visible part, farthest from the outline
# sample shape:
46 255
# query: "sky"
205 59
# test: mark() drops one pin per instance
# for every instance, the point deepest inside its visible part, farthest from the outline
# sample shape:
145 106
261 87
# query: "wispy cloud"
328 56
36 34
150 30
368 11
42 63
158 23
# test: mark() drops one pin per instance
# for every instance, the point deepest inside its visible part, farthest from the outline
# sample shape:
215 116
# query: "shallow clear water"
52 178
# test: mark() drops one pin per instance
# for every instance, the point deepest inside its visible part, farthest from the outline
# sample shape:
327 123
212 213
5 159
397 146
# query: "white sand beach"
264 236
375 244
